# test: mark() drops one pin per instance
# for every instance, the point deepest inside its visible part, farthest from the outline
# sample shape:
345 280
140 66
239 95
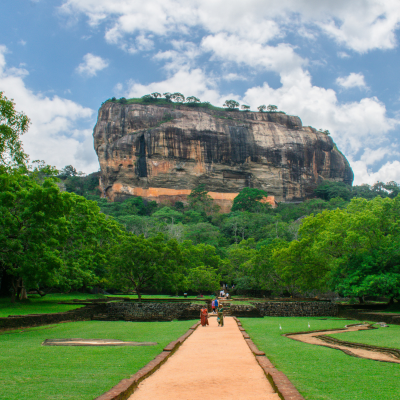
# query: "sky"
333 63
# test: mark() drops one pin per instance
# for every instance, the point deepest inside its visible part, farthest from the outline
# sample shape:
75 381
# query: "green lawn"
30 371
47 304
382 337
320 373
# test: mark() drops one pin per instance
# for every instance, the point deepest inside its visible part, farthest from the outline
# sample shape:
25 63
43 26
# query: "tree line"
345 240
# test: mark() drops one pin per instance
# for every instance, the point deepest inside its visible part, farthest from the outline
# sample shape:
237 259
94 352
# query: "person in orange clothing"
204 316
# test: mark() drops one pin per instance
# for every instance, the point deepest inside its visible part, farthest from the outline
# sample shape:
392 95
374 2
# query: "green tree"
155 95
245 107
139 263
178 97
249 200
329 190
262 108
192 100
231 104
272 108
13 125
203 279
200 201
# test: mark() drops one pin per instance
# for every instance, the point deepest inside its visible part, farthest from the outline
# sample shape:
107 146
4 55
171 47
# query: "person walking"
220 318
204 316
213 306
216 303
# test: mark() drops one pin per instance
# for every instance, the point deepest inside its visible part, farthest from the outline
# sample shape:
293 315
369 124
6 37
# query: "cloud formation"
360 25
351 81
54 135
91 65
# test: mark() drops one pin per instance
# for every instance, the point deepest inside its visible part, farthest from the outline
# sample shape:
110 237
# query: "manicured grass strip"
320 373
31 371
382 337
42 305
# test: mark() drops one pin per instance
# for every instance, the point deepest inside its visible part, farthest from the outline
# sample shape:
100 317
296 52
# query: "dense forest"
295 249
56 233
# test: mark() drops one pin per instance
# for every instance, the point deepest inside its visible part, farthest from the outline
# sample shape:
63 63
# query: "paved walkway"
213 363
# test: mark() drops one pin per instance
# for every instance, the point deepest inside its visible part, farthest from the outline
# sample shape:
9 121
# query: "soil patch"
375 353
94 342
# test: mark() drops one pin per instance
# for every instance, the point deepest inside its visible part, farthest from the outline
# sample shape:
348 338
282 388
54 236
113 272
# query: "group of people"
216 308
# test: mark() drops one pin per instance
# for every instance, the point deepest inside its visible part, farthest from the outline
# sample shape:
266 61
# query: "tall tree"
139 263
13 125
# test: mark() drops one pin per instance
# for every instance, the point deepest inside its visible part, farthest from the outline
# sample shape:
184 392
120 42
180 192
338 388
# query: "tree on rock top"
231 104
249 200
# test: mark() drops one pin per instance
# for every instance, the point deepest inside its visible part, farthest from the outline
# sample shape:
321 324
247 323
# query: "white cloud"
278 58
183 55
390 171
351 81
232 76
91 65
342 54
360 25
189 82
53 135
354 125
22 42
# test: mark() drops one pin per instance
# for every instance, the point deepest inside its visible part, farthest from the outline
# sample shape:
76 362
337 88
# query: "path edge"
279 381
125 388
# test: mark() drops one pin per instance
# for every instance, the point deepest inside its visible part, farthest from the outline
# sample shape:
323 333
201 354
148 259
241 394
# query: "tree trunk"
139 295
391 301
24 294
14 292
361 299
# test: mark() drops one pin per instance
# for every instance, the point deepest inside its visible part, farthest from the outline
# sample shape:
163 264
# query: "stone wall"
362 315
297 309
150 311
80 314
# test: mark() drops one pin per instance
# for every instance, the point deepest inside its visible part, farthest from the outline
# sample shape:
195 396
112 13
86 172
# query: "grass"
320 373
77 373
382 337
42 305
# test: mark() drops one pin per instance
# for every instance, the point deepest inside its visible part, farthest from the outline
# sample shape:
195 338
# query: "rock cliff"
161 152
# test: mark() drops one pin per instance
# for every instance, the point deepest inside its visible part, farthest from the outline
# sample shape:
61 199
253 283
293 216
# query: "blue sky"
333 63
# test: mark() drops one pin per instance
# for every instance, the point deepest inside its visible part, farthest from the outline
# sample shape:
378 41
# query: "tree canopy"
13 125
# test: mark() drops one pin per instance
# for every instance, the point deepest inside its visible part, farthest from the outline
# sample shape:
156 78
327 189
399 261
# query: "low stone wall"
297 309
362 315
150 311
80 314
238 310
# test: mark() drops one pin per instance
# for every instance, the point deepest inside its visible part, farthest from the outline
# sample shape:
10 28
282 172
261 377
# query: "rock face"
162 152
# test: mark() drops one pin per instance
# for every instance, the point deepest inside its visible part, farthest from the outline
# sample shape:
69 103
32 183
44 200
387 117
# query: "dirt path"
312 338
213 363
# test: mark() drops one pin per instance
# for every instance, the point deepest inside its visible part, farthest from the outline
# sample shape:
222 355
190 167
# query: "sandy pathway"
213 363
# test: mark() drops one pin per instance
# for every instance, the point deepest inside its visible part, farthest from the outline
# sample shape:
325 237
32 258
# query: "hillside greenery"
344 240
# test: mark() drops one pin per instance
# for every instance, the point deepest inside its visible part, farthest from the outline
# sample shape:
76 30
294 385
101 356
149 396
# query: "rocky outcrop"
161 152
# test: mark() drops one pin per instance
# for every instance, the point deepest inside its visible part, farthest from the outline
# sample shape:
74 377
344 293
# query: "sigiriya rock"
161 152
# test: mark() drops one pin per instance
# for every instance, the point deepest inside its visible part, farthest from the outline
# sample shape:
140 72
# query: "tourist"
220 318
204 316
213 306
216 303
227 296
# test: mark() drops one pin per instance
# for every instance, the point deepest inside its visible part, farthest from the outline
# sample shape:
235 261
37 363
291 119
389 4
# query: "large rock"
162 152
